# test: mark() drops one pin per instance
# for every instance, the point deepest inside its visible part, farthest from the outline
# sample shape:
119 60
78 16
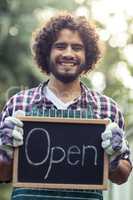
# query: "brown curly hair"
43 39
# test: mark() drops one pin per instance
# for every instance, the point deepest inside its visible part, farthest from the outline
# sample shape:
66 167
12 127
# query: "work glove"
114 143
11 134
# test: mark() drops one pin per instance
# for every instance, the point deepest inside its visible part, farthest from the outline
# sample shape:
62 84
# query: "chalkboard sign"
61 153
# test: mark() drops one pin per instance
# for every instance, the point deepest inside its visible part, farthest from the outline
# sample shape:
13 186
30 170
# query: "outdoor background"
113 75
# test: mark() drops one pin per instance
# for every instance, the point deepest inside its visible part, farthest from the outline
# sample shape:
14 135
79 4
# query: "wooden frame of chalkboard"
65 153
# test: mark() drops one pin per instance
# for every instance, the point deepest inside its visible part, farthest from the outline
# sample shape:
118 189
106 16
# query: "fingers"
12 132
17 138
107 147
7 149
112 126
113 140
110 138
17 134
19 113
108 131
106 144
13 121
107 134
17 143
12 136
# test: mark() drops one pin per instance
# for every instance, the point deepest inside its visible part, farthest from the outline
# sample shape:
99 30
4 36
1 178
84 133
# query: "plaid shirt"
90 104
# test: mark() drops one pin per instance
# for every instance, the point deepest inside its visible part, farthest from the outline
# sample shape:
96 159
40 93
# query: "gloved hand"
11 134
114 142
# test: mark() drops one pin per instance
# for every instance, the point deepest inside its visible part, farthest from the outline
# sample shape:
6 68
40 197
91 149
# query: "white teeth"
68 64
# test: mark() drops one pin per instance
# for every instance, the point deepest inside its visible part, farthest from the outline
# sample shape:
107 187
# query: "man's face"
67 57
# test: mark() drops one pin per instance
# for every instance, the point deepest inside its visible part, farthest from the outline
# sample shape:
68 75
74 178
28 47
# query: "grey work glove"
114 142
11 134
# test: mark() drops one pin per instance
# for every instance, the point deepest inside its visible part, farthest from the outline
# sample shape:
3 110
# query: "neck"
65 92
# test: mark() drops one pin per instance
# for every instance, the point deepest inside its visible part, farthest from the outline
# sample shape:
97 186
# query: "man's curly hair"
44 38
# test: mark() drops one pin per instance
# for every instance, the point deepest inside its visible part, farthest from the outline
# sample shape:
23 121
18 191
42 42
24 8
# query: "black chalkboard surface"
61 153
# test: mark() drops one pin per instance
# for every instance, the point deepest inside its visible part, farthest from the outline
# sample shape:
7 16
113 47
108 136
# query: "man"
65 48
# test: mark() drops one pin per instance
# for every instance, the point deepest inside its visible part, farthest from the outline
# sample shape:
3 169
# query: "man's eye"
59 46
77 47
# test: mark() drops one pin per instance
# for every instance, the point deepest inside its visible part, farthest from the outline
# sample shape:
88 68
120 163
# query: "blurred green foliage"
18 71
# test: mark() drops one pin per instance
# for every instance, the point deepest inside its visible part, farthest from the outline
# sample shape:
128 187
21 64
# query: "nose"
68 52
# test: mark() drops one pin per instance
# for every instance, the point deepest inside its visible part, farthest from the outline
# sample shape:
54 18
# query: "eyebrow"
60 43
65 43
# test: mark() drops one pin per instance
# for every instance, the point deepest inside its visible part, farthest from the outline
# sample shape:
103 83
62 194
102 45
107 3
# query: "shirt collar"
40 94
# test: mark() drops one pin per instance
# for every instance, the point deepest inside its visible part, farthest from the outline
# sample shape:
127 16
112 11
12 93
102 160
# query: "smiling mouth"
67 64
70 63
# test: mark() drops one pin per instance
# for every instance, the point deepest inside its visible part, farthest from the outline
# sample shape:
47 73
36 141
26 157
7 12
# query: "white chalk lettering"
73 150
73 155
55 150
46 137
84 153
